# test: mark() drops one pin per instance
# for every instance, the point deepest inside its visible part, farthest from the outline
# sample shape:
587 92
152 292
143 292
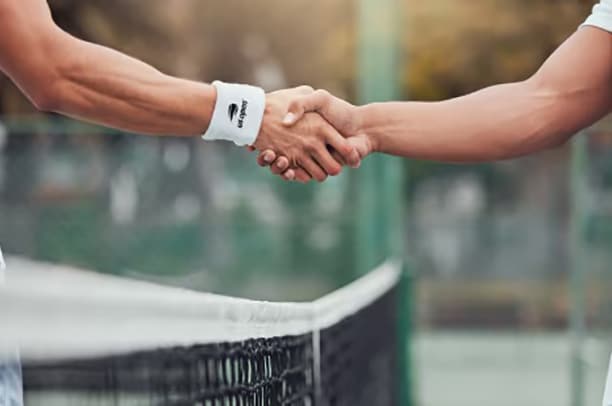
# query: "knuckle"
320 130
295 105
347 152
310 146
323 95
342 146
305 89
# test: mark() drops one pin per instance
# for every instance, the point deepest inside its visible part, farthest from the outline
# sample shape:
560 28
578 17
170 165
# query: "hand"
306 145
343 116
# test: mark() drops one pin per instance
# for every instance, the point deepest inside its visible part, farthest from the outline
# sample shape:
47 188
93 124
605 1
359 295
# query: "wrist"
238 114
366 125
271 114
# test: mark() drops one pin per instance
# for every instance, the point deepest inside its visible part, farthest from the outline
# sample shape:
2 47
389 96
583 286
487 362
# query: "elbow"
559 140
549 120
47 85
553 142
543 135
45 81
46 98
546 136
43 102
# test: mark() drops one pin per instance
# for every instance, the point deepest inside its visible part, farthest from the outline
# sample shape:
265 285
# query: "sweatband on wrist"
238 114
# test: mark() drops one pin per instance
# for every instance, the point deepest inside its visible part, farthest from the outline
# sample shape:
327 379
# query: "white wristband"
238 114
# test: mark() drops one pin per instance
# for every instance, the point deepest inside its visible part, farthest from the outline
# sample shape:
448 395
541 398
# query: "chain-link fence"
176 211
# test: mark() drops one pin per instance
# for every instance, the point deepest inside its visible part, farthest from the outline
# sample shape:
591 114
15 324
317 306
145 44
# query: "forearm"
101 85
500 122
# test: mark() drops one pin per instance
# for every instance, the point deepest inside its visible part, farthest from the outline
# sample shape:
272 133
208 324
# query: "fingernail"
280 165
268 157
289 118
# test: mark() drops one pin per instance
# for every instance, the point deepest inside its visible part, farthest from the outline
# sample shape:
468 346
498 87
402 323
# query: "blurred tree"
453 47
459 46
150 30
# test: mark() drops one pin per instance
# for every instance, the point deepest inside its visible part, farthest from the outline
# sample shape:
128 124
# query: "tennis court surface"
90 339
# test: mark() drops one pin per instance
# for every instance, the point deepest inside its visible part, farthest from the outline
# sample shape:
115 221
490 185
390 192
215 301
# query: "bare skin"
66 75
572 90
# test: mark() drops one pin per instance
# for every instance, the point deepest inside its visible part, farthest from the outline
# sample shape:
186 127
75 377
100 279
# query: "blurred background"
510 262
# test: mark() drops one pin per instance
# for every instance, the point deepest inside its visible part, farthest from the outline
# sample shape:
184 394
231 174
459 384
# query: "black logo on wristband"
233 110
243 113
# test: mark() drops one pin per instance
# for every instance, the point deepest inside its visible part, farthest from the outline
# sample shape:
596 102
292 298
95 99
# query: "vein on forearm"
500 122
105 86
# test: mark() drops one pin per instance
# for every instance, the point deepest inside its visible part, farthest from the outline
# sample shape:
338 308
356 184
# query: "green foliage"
497 183
451 47
457 47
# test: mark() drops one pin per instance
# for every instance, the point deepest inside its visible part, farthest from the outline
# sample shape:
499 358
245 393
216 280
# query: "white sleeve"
601 16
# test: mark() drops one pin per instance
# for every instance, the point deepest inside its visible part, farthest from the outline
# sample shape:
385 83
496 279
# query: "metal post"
579 213
378 183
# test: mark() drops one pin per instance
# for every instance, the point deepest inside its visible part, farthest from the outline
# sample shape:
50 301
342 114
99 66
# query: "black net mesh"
255 372
358 366
359 357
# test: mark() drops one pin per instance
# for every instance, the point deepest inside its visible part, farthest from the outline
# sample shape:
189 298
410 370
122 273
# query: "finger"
342 147
289 175
325 160
266 158
302 105
362 145
313 169
305 90
302 176
337 156
251 149
280 166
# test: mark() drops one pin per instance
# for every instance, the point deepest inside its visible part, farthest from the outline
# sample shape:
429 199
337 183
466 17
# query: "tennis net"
89 339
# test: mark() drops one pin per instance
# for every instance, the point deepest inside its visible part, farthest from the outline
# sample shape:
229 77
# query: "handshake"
308 134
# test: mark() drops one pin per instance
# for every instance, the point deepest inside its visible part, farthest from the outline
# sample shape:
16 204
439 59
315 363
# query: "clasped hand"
309 134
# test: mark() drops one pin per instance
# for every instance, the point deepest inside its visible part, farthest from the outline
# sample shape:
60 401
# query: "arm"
571 90
63 74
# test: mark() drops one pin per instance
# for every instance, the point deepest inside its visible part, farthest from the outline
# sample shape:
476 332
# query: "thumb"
314 102
362 144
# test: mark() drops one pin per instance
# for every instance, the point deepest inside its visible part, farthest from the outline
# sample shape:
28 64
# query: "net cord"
87 314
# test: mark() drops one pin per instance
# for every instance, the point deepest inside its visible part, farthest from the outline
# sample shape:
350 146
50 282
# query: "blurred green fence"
591 273
513 260
181 211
